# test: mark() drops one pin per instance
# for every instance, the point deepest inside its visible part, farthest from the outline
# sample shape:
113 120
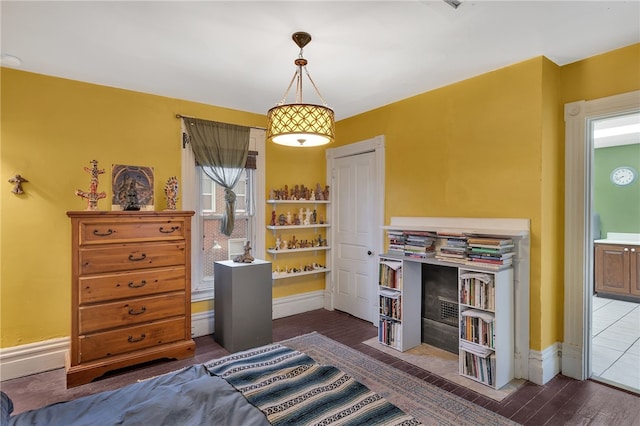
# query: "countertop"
620 238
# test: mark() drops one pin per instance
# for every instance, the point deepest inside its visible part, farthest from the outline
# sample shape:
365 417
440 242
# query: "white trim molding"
32 358
578 234
545 365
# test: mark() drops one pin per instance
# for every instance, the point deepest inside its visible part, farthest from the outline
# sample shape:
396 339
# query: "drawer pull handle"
137 259
139 339
173 229
103 234
141 311
132 285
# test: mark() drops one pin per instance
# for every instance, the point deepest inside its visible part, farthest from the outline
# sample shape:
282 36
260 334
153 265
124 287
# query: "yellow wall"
493 146
490 146
51 129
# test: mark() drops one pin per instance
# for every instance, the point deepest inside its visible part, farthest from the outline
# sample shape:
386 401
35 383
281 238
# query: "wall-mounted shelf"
283 275
287 251
298 201
287 232
315 225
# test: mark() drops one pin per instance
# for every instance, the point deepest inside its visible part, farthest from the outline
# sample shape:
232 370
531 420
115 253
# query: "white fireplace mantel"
515 228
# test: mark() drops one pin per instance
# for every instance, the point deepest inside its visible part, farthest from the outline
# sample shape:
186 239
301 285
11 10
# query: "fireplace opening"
440 307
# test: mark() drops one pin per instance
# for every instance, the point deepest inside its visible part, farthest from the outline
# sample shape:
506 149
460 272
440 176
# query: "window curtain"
221 150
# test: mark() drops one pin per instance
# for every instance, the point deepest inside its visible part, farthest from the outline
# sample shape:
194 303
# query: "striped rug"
429 404
290 388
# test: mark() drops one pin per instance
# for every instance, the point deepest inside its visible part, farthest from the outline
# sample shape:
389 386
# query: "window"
200 194
215 245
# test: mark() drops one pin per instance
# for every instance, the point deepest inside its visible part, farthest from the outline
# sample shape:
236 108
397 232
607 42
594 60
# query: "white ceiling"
364 54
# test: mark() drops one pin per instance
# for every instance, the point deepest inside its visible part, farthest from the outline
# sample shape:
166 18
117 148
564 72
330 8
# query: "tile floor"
616 343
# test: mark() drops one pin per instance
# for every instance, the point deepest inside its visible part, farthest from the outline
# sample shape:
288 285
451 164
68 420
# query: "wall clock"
624 175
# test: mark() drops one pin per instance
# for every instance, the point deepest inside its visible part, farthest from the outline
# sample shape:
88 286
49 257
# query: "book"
491 241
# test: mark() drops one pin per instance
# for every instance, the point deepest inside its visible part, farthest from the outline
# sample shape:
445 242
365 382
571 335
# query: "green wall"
618 206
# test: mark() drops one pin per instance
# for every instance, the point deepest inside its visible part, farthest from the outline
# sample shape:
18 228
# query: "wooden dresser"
131 290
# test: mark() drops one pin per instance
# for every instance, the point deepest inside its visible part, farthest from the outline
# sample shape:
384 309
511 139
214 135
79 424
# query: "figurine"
171 192
307 217
131 202
273 218
93 195
246 256
17 180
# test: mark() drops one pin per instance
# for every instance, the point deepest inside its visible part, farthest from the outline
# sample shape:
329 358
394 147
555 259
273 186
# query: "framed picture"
132 186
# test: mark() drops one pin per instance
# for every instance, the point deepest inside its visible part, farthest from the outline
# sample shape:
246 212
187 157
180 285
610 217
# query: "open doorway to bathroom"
615 297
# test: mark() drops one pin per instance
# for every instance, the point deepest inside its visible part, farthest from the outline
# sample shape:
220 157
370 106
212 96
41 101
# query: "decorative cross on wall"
93 195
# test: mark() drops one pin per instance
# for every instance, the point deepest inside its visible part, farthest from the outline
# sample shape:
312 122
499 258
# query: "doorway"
615 303
579 233
356 175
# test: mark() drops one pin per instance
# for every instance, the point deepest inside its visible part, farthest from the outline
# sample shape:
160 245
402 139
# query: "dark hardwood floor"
562 401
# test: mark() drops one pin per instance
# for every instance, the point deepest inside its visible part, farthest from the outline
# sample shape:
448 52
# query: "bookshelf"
395 329
486 325
298 230
494 248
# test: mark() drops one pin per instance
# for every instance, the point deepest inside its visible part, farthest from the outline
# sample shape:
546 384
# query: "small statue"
307 217
17 180
171 192
246 256
273 218
93 195
132 203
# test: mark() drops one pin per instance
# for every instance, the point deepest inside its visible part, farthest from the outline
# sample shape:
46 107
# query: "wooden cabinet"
131 290
617 270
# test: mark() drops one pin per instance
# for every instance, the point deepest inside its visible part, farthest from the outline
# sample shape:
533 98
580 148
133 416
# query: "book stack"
396 242
490 252
419 244
453 248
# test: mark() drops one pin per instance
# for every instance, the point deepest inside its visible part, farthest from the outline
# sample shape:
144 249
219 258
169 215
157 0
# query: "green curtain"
221 150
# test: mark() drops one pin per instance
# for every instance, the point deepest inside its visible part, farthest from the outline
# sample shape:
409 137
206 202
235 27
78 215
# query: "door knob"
369 252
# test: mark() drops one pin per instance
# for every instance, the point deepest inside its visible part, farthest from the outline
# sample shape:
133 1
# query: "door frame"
377 146
578 233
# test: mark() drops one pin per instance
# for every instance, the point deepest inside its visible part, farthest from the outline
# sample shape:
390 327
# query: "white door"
355 226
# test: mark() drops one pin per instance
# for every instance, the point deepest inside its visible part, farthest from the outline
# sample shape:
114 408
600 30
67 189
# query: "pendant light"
300 124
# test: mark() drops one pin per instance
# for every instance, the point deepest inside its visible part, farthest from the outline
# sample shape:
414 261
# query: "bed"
269 385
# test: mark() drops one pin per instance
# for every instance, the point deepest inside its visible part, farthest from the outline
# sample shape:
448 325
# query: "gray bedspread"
194 398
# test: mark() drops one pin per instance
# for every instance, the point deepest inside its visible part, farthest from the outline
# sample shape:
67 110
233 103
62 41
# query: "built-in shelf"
298 201
283 275
287 251
315 225
434 261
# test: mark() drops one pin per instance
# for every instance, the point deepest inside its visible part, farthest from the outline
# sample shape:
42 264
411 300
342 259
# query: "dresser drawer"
129 312
126 257
116 342
125 285
102 230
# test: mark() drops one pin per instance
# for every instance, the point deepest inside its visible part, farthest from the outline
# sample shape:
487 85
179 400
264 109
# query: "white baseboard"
297 304
24 360
545 365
